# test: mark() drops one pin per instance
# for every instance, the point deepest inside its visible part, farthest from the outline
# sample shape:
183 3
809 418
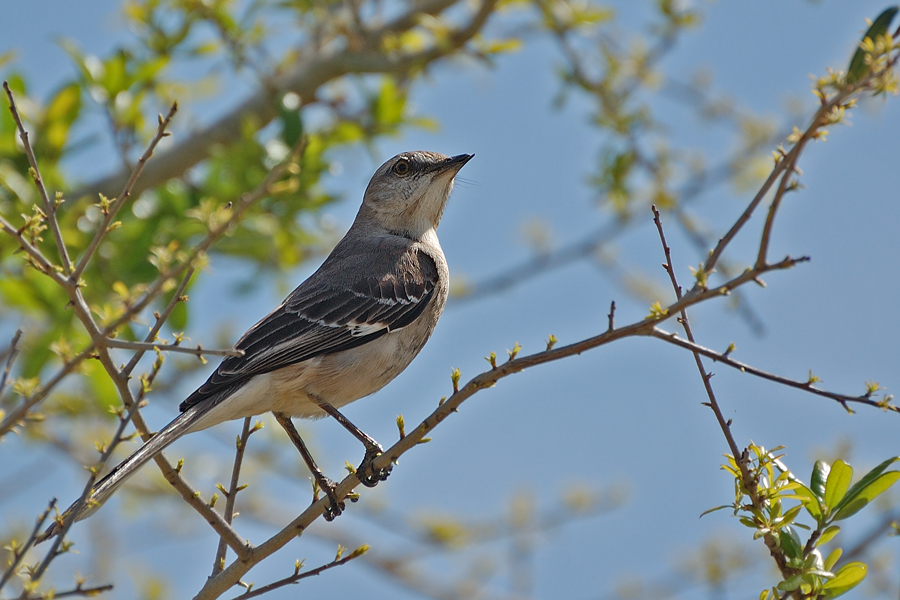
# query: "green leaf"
833 557
789 516
819 476
790 543
866 480
847 578
838 483
858 67
710 510
828 534
867 494
59 116
809 500
791 583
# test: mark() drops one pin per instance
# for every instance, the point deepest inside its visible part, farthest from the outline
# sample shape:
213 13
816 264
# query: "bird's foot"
335 506
368 475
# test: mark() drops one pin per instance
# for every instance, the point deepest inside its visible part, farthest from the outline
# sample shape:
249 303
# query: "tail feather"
107 486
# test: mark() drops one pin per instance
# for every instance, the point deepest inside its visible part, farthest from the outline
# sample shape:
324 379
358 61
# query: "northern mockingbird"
344 333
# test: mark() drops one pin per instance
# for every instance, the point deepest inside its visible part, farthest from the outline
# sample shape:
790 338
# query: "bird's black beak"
454 163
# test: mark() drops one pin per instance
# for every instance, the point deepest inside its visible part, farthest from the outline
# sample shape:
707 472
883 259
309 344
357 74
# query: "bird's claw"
335 507
368 475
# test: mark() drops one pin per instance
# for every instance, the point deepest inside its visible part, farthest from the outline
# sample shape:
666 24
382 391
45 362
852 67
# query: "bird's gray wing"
323 318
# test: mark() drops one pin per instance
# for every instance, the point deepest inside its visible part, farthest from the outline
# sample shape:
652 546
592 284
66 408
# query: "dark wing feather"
320 318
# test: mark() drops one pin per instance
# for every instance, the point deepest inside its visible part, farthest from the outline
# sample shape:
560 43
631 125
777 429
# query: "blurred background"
580 479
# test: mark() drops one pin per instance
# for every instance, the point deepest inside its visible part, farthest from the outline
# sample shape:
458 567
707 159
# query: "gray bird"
344 333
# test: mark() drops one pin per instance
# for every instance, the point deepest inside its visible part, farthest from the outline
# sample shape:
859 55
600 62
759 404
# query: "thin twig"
191 496
111 211
762 255
296 577
232 493
77 591
49 206
161 318
238 210
723 423
806 386
198 350
19 553
10 358
40 262
749 482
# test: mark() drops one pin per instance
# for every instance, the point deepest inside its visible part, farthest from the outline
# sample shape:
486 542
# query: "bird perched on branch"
344 333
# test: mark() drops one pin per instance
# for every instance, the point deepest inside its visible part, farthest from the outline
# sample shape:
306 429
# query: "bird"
342 334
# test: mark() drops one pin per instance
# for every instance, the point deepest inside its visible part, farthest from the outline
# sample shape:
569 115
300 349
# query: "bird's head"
407 194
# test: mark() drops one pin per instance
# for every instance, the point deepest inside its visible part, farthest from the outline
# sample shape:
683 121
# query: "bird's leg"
368 475
335 506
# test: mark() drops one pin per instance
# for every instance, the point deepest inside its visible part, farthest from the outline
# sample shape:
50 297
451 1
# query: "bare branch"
297 576
749 482
232 492
806 386
10 358
198 350
87 592
19 552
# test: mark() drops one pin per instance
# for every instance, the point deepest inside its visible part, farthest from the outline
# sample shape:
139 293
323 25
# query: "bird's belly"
343 377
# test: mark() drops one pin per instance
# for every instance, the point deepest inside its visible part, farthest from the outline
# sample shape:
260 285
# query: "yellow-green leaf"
828 534
848 577
838 483
867 494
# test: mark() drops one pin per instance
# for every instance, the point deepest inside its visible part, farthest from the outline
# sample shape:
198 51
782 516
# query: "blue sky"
626 415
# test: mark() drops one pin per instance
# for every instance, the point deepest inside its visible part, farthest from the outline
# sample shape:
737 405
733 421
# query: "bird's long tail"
107 486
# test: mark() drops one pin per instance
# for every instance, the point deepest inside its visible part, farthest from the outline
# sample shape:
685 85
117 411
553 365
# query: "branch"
231 494
77 591
109 212
10 358
172 475
806 386
19 552
219 584
749 482
49 207
297 576
198 351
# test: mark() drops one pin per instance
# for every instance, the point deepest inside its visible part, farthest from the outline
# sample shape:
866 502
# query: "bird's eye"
402 167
